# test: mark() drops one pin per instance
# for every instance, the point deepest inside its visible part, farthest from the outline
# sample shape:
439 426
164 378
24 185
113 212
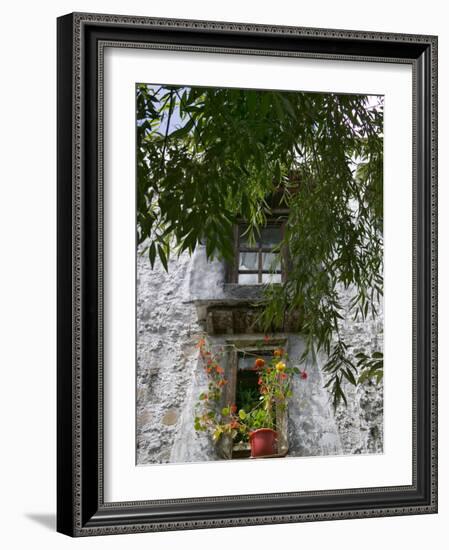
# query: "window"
259 261
247 394
243 390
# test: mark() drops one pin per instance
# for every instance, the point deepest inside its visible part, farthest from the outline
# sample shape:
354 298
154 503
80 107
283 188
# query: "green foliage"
247 398
259 418
370 366
209 156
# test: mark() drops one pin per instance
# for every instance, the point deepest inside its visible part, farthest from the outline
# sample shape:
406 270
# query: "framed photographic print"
246 274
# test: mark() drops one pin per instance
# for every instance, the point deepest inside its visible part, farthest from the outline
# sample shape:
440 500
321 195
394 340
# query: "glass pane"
271 235
271 278
244 238
270 261
246 362
248 260
248 278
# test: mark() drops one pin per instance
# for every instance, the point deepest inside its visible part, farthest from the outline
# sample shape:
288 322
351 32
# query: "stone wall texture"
170 376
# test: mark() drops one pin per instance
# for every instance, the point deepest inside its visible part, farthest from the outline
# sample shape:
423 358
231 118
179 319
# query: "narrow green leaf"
162 257
152 254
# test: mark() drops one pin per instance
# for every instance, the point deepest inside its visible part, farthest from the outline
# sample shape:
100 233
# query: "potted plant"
261 433
255 419
275 387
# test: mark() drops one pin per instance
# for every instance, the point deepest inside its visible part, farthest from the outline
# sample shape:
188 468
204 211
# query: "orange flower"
219 369
280 366
283 376
259 363
222 382
201 343
279 352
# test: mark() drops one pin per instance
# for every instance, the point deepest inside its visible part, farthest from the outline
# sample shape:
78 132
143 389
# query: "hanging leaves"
207 157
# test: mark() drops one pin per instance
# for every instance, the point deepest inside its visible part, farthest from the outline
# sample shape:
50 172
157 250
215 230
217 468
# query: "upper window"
259 261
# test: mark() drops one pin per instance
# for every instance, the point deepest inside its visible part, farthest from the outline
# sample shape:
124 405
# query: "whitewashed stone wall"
361 422
170 376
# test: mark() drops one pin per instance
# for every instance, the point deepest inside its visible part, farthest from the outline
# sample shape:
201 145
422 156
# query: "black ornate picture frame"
81 509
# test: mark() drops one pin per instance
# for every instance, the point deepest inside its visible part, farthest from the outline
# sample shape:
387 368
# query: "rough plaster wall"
167 333
312 430
170 376
361 423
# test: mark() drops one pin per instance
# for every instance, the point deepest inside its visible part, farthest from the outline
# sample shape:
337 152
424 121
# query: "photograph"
259 274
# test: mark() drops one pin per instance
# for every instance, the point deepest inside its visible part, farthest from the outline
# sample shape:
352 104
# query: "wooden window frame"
226 447
234 272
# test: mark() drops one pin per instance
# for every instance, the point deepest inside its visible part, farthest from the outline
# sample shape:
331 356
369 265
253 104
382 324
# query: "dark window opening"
247 396
247 387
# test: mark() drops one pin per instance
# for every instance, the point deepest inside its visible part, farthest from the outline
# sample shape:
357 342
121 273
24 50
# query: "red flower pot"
263 442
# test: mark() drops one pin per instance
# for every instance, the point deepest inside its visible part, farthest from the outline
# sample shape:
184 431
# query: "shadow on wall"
46 520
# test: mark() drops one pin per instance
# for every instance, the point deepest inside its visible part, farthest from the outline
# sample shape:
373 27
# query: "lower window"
244 390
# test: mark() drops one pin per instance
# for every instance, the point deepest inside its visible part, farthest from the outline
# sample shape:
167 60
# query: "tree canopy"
207 157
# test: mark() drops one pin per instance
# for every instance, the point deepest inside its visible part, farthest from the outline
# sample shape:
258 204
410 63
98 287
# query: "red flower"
303 375
266 338
234 424
259 363
233 408
260 381
283 376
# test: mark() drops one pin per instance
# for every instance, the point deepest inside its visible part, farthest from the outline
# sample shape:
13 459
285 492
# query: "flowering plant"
275 389
207 416
256 411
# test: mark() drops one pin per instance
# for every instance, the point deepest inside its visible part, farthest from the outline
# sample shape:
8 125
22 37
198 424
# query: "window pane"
244 237
248 260
248 278
246 362
271 235
270 261
271 278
